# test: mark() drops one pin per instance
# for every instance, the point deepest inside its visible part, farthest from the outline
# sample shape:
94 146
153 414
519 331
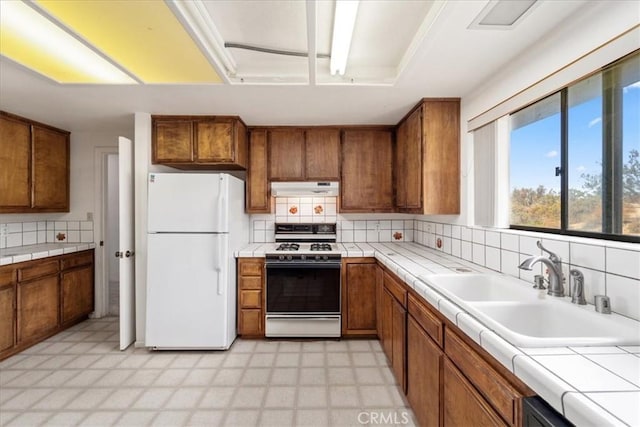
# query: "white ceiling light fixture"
502 14
36 41
201 27
343 22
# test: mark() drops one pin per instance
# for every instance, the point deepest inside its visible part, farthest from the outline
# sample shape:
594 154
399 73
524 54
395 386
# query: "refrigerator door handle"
218 267
222 211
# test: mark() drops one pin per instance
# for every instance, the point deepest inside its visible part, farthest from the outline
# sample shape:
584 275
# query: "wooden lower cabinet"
359 277
7 317
462 404
394 326
251 296
38 308
43 297
77 293
424 375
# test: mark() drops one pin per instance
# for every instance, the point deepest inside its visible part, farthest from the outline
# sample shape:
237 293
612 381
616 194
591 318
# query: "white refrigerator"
195 223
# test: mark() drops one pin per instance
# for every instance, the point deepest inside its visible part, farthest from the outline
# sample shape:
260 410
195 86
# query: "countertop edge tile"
583 411
544 382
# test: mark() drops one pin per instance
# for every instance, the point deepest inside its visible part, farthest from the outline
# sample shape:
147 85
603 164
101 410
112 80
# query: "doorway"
112 230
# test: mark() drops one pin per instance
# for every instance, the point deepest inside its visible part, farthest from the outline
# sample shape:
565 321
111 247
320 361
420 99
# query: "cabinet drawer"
396 289
7 276
495 388
251 299
38 269
250 282
76 260
429 322
250 268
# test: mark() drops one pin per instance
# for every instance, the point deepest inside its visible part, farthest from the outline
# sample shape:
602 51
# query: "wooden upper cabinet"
286 155
427 164
15 155
50 169
322 155
34 166
304 154
199 142
367 172
172 141
258 199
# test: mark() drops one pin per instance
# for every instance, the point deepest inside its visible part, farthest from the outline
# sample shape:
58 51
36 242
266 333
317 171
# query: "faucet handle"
553 257
538 281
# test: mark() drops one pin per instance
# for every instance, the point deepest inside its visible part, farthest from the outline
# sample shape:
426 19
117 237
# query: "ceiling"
402 51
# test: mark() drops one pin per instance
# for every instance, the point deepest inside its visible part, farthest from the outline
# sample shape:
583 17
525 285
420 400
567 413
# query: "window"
575 157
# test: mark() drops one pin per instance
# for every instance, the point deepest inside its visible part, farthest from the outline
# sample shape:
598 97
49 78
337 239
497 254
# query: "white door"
126 247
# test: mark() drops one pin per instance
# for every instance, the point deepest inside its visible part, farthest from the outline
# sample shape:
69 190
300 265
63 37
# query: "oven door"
303 288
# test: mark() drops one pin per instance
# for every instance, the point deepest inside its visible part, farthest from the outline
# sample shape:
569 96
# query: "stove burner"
288 247
321 247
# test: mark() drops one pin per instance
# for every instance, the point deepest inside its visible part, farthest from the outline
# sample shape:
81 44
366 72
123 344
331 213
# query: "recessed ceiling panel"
143 36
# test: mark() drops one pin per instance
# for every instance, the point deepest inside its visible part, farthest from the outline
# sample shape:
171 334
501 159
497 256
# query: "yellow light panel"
142 36
35 42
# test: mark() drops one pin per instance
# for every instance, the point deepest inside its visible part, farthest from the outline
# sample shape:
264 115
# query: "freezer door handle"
218 266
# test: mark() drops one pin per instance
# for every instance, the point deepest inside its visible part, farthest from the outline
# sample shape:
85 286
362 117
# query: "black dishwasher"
538 413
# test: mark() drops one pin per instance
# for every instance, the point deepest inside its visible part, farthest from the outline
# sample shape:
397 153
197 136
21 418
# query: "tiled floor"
79 377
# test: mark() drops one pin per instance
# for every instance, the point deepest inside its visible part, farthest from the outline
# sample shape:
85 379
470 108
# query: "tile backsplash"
306 209
610 268
15 234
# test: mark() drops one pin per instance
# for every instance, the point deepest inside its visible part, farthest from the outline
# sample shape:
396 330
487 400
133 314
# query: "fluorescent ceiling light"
502 13
144 37
34 41
343 22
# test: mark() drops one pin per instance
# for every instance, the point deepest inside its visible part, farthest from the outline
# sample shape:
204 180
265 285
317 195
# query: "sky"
535 148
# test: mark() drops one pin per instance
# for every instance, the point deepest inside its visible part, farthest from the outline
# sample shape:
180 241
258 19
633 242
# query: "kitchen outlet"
3 231
89 216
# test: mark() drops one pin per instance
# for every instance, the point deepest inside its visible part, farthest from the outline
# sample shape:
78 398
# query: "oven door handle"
305 265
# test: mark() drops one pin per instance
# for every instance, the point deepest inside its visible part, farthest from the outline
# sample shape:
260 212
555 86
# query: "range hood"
304 188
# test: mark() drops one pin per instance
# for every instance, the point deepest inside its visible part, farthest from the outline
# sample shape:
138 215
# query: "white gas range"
303 282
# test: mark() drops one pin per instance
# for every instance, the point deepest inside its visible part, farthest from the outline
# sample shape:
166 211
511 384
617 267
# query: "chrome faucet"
577 290
554 266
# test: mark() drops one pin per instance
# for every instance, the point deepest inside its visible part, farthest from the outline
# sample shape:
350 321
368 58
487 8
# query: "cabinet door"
258 197
172 141
399 167
38 308
15 150
251 322
379 300
441 135
399 341
387 324
77 293
286 155
424 375
214 142
359 298
322 155
462 405
412 165
50 170
367 176
7 317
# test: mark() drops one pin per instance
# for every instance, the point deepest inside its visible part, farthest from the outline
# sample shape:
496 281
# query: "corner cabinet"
199 142
43 297
427 158
34 166
366 171
251 297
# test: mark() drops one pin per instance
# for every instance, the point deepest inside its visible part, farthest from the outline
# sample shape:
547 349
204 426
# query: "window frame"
612 160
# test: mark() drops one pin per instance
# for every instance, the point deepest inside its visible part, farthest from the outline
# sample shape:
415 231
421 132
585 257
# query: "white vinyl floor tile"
79 377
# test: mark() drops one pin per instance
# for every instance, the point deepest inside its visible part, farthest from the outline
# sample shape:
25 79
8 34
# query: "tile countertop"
589 385
27 253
